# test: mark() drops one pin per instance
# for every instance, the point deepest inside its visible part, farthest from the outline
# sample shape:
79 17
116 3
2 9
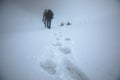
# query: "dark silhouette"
62 24
68 23
47 18
44 17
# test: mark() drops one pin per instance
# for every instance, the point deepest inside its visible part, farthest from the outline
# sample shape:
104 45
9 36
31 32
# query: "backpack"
49 14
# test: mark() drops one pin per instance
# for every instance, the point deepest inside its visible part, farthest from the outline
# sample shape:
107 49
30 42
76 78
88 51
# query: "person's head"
45 10
49 10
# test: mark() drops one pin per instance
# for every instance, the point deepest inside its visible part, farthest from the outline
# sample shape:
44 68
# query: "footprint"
67 39
58 44
49 67
75 74
72 71
65 50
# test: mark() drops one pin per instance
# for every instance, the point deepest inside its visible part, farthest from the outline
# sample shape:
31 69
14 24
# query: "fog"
94 38
17 14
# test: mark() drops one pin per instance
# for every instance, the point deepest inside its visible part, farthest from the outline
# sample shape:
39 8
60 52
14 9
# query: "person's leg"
45 22
50 23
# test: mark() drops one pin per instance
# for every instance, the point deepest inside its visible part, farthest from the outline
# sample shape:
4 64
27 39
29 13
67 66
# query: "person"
44 20
49 17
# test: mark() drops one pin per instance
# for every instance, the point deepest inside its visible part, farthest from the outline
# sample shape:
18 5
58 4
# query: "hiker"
49 17
44 20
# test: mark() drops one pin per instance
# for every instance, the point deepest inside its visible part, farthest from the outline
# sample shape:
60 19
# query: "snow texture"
64 69
86 50
57 44
74 72
67 39
65 50
49 67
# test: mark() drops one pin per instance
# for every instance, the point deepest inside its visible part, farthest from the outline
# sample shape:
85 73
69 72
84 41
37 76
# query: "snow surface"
85 50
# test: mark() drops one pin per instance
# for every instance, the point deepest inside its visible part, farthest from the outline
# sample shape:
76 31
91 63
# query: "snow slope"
25 55
85 50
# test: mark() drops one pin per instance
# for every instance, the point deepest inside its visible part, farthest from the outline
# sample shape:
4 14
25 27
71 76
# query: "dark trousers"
45 22
49 24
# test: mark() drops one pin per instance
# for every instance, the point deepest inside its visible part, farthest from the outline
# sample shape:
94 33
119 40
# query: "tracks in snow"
62 63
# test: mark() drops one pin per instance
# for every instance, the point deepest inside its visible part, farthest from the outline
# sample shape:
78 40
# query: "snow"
85 50
65 50
49 66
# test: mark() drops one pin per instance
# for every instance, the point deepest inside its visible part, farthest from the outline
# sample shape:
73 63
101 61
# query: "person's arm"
43 17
